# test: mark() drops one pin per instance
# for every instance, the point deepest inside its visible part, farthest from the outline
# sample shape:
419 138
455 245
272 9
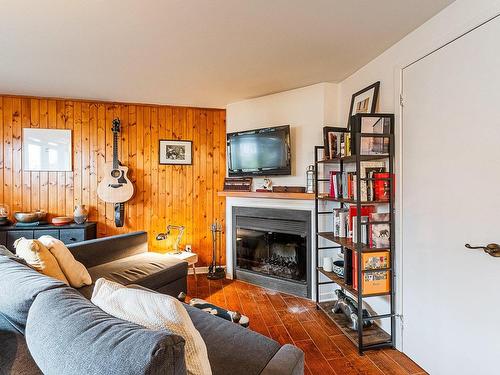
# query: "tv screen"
264 152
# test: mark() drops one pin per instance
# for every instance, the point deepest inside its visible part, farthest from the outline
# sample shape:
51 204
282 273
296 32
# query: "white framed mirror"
47 150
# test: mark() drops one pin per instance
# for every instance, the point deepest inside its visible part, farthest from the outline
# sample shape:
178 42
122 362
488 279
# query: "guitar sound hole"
115 173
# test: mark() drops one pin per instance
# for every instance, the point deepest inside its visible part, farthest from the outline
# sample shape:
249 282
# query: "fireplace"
272 247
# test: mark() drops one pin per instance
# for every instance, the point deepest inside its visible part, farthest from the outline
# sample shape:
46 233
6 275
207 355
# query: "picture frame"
175 152
365 100
48 150
331 141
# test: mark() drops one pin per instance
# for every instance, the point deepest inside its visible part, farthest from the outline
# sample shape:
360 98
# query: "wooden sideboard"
70 233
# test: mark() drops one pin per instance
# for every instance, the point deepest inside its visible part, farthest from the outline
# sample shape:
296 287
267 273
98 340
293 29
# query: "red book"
332 188
353 211
333 176
381 188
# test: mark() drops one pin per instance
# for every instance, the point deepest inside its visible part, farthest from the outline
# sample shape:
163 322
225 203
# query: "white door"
451 196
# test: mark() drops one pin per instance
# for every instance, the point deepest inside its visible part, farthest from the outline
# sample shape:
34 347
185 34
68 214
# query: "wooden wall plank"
35 176
53 197
1 151
69 124
17 174
61 176
101 161
26 175
164 194
7 152
93 157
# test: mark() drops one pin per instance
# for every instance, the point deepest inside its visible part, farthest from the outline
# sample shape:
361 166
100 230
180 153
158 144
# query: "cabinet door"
71 235
46 232
3 238
13 235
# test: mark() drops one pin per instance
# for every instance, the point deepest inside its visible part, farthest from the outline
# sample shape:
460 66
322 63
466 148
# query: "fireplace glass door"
275 254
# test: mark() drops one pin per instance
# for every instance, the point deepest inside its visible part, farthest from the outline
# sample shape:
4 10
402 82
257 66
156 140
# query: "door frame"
473 24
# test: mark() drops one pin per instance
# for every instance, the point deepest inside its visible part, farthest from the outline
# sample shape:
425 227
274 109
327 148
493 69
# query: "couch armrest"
103 250
289 360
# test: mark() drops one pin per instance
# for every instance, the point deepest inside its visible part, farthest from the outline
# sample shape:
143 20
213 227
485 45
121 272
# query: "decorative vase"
80 214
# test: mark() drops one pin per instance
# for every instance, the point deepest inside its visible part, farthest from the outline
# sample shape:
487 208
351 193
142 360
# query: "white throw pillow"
155 311
75 272
39 257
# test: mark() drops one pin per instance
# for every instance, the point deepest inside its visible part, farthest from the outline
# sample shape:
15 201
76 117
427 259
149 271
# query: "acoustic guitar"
115 187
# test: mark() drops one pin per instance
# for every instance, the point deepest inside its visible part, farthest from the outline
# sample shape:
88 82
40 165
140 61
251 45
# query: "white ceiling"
193 52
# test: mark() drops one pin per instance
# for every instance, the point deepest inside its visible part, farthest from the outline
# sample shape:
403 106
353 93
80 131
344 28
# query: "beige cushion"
40 258
154 311
75 272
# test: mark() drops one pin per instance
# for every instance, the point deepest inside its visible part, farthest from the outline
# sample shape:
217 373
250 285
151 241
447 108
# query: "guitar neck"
115 150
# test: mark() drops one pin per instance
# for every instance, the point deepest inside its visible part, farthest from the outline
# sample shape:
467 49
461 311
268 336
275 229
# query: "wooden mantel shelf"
255 194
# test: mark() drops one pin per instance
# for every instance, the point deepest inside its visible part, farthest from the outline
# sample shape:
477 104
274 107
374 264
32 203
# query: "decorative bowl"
62 220
338 268
29 217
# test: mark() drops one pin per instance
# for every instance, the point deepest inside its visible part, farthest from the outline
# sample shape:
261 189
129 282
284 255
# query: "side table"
190 257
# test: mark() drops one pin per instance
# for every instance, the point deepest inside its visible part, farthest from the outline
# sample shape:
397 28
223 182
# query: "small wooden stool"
191 258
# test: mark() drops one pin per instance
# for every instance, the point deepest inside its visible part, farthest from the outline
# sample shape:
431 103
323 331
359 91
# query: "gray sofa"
125 259
47 327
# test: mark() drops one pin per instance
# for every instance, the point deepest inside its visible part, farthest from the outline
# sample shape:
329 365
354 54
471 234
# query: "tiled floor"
293 320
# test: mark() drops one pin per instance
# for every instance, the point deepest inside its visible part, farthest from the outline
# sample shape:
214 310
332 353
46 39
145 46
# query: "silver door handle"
492 249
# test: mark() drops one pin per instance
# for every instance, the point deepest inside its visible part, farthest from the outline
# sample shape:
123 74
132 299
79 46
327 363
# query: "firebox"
272 247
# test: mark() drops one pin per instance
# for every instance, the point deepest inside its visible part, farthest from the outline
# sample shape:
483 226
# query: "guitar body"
115 187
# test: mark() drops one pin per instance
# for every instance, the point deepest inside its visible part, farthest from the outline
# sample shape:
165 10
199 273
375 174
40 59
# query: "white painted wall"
306 110
450 23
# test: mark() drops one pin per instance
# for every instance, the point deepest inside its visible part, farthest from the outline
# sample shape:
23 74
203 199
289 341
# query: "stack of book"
373 282
375 228
375 184
377 236
337 143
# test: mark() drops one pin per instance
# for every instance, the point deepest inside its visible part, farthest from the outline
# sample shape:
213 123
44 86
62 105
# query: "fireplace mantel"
270 195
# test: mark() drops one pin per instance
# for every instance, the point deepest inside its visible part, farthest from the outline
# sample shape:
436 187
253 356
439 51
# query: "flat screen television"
260 152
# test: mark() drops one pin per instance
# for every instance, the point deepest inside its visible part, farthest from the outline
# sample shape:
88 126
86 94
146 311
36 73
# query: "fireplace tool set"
215 270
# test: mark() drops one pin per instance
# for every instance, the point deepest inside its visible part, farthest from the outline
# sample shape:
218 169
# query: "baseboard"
199 270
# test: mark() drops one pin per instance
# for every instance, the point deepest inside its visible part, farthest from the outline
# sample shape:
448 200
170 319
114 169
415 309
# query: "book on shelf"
379 233
340 222
344 185
364 230
353 212
366 171
372 282
381 186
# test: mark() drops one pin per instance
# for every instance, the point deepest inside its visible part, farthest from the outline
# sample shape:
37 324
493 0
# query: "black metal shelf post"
373 337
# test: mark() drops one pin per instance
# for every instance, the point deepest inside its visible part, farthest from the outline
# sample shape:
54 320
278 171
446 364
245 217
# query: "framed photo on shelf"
332 137
365 100
175 152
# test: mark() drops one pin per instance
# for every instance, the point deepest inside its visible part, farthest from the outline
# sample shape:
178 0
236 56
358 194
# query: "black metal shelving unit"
364 338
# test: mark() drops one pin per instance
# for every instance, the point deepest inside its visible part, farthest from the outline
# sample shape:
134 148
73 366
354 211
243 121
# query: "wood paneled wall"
182 195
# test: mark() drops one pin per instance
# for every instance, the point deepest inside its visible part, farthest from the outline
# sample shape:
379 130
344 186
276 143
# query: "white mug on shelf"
327 264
